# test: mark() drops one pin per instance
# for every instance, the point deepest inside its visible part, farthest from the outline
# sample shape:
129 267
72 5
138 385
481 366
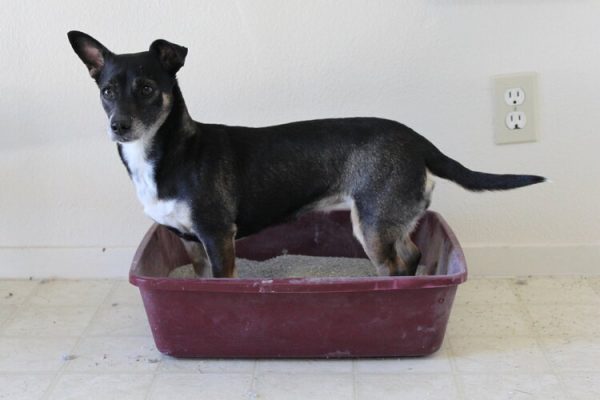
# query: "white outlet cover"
522 88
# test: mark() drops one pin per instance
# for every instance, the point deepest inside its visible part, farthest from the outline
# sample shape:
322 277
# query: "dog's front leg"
198 257
220 248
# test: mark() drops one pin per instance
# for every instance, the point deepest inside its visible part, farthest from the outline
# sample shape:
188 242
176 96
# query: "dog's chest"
170 212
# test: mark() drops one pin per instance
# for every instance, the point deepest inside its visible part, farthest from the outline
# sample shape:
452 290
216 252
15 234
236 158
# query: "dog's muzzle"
121 125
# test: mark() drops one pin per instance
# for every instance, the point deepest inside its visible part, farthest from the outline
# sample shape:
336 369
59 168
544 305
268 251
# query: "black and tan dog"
214 183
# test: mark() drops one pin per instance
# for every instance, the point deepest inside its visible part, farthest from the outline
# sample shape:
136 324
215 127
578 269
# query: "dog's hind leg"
378 244
356 227
198 257
384 234
382 253
410 254
390 255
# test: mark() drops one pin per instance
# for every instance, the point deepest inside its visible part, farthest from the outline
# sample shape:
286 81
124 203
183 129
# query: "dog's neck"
178 123
143 161
143 157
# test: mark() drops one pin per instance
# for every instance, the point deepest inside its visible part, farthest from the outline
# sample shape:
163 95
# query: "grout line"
63 367
456 375
123 372
354 382
481 373
252 393
153 381
18 308
543 349
88 373
66 306
9 318
27 373
71 336
242 372
282 373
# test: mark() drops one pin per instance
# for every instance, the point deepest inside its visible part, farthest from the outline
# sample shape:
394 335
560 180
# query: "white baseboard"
74 263
66 262
533 260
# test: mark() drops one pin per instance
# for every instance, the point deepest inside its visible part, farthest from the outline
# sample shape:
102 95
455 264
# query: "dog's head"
136 90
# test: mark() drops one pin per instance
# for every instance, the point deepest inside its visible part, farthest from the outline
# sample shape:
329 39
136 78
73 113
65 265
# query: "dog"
211 184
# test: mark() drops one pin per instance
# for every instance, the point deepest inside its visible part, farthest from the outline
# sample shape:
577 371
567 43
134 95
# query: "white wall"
65 196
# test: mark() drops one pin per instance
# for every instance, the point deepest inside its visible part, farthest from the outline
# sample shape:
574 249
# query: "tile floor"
522 338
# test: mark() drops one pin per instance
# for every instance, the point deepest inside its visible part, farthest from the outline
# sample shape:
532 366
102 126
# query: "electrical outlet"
514 96
515 101
516 120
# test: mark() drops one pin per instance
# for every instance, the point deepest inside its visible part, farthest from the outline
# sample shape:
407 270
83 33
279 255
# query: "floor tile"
565 319
568 354
406 386
306 366
71 292
125 293
438 362
14 291
530 338
34 354
556 290
511 354
170 364
101 386
120 320
582 386
202 386
5 312
489 320
110 354
23 387
33 320
486 291
512 387
299 386
594 283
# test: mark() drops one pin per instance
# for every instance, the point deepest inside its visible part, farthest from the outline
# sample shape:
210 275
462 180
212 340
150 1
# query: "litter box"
300 317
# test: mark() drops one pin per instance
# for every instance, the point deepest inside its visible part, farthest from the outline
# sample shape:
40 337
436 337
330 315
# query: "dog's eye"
147 90
107 93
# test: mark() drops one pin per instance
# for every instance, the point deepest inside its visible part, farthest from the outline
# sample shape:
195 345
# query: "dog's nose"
121 125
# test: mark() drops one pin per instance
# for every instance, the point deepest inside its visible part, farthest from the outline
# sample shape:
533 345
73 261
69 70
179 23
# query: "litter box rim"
302 285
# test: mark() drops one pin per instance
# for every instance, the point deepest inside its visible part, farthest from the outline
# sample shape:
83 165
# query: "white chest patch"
173 213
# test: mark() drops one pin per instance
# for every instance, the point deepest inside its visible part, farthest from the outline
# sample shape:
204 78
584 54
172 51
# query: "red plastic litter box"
300 317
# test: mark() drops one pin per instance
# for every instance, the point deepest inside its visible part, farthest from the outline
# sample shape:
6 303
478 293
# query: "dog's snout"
120 125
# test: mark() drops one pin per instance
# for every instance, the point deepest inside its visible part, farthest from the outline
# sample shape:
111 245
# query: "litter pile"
293 266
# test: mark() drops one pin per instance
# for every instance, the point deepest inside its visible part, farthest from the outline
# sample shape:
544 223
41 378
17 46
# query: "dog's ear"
171 55
92 53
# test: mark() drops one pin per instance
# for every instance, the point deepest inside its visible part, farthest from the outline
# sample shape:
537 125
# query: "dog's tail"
445 167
